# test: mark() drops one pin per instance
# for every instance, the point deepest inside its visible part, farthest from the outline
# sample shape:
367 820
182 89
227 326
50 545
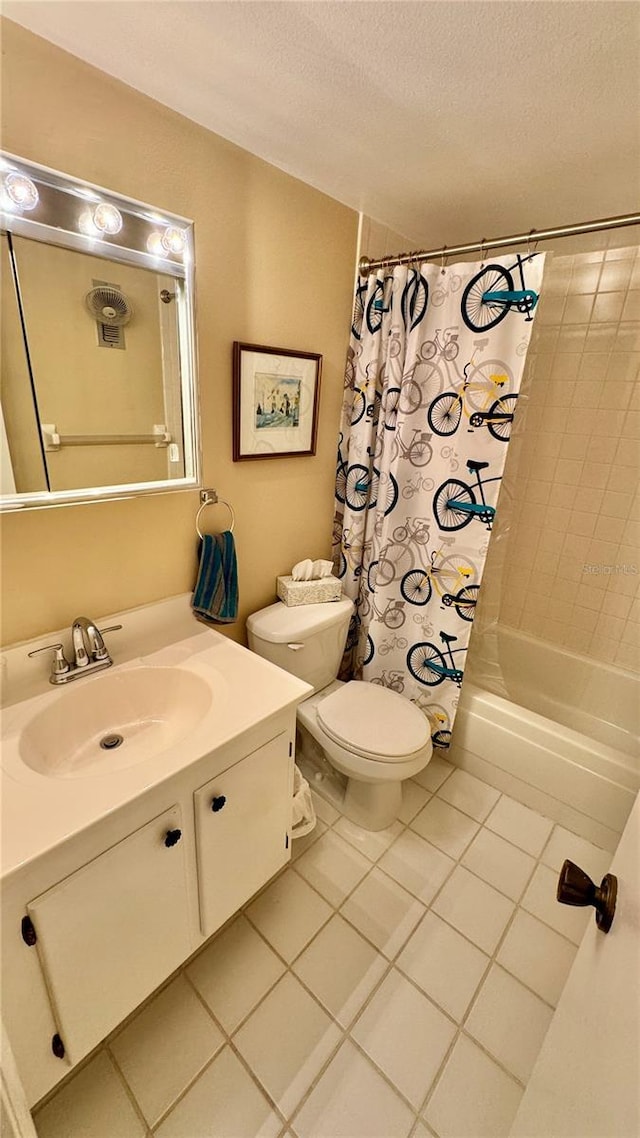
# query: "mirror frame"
61 224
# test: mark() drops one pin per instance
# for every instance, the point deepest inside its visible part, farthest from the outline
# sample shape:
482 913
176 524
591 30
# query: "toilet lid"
373 720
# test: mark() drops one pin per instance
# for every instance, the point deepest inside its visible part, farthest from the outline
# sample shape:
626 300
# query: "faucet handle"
60 665
99 650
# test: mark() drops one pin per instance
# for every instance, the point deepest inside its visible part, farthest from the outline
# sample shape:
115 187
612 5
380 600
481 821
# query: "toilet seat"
371 720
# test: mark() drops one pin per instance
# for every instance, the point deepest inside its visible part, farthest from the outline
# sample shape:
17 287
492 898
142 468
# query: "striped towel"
215 597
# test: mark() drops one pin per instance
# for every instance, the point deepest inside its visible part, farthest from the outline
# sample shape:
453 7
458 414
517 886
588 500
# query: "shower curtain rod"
366 265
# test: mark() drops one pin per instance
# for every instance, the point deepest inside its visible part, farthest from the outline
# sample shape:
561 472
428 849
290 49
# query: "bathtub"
563 738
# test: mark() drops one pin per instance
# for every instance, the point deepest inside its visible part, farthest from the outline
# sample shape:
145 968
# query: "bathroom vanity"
118 863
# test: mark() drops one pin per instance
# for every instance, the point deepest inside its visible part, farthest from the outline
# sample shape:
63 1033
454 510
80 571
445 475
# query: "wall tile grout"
599 397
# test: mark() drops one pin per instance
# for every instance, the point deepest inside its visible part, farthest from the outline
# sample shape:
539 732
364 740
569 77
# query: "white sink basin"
134 714
181 696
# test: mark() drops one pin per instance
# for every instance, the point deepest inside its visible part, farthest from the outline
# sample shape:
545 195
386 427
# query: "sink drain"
110 742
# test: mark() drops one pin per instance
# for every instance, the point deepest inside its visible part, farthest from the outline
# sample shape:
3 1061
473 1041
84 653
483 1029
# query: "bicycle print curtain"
433 373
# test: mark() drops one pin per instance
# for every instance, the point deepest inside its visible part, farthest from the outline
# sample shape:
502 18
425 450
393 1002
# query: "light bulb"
174 240
155 246
107 219
86 224
21 191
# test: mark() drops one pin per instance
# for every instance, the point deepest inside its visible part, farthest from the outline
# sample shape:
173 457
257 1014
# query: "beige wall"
274 265
377 240
85 389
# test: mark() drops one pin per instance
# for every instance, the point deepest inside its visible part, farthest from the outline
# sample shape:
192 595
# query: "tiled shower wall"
572 562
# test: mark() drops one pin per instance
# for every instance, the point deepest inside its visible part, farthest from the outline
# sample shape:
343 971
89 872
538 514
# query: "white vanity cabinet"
113 875
92 929
242 820
112 931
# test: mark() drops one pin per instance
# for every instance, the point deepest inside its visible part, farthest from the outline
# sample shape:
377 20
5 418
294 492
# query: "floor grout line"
255 1079
227 1042
490 962
128 1091
391 961
334 1051
461 1027
380 1070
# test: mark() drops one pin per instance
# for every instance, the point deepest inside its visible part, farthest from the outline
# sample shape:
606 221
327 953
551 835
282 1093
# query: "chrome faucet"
89 650
88 645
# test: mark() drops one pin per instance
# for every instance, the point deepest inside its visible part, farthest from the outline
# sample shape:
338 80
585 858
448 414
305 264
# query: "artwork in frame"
275 401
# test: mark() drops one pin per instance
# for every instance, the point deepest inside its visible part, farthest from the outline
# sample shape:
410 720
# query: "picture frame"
276 394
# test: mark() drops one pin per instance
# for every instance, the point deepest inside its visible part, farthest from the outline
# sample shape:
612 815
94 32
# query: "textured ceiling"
446 121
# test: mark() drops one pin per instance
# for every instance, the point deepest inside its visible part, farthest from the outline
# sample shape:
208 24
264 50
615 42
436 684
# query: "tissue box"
308 592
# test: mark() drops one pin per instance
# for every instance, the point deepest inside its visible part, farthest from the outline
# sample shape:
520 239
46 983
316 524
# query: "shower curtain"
433 372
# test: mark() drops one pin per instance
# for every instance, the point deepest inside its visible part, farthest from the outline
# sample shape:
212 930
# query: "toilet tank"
306 640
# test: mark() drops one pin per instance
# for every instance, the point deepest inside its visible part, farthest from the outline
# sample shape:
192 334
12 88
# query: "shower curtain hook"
443 259
529 253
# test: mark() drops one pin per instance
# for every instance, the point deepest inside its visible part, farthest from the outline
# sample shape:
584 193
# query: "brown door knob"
575 887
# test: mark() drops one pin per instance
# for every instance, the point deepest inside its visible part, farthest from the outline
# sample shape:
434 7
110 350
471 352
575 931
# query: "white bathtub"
565 741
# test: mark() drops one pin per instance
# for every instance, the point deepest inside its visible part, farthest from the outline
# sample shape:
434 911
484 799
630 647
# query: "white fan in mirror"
109 305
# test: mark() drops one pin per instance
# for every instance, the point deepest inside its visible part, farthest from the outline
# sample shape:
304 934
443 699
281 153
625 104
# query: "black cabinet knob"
28 932
575 887
218 802
172 837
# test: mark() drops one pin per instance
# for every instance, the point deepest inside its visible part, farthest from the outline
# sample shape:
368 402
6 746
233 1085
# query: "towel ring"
210 498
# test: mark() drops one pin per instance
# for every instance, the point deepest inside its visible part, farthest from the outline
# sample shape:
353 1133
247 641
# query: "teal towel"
215 597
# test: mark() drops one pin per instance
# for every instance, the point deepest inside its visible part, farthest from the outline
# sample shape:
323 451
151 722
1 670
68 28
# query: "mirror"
96 359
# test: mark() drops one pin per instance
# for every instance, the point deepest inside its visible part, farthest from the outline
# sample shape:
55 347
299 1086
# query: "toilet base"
372 805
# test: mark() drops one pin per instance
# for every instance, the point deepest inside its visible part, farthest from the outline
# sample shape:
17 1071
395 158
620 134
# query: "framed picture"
275 401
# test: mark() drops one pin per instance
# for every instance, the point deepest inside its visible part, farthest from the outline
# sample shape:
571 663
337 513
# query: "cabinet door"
112 931
242 830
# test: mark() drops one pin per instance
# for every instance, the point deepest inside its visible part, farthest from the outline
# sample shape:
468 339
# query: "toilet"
372 736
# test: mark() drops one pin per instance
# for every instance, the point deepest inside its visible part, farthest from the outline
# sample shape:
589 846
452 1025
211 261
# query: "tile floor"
391 985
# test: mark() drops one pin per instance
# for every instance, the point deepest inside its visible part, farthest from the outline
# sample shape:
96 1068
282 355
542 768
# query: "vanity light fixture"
82 192
20 191
77 213
107 219
154 245
171 241
104 221
78 217
86 225
174 240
